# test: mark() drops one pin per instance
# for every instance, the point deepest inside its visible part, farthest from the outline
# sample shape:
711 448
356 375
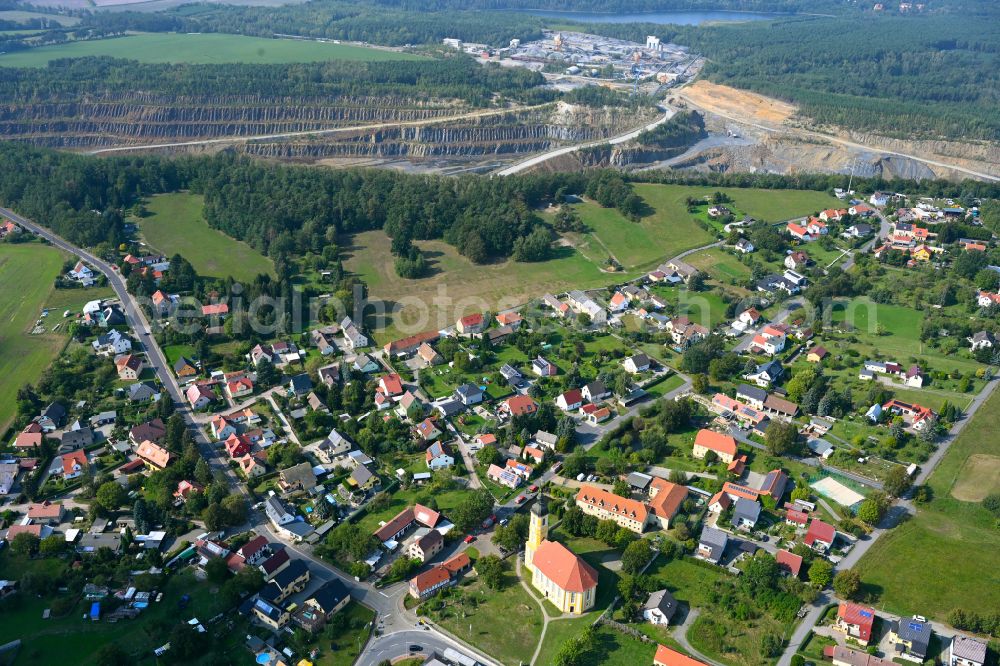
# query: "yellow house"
559 574
723 446
922 253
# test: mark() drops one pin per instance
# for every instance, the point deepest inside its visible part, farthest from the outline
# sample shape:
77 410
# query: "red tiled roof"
820 531
616 504
715 441
564 568
789 561
861 616
430 578
736 490
668 499
520 405
667 657
76 457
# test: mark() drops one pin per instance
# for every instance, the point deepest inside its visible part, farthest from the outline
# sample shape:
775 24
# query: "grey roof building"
913 636
712 544
745 513
661 602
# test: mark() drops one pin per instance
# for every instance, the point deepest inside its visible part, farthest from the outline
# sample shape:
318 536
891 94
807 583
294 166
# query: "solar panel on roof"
916 626
865 613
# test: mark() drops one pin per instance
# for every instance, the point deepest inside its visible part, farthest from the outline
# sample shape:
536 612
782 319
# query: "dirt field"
751 106
979 477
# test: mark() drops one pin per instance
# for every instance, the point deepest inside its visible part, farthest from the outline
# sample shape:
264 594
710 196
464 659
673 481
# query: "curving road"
545 157
387 604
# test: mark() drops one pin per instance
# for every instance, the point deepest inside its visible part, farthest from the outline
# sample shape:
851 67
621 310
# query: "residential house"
820 536
788 562
472 324
290 580
520 405
239 388
570 400
237 446
510 373
409 345
982 340
82 274
153 455
879 199
429 355
856 621
637 363
46 512
780 407
665 501
502 476
580 302
427 430
519 468
561 309
300 384
712 544
546 440
410 402
365 364
916 416
391 385
76 439
468 394
543 368
910 638
272 615
843 656
817 227
797 260
129 367
512 319
769 340
746 513
402 521
966 651
619 302
723 446
746 319
676 270
439 456
499 335
199 396
752 395
428 582
985 299
772 284
322 338
426 546
799 232
720 502
765 374
353 337
154 431
362 478
112 343
817 354
277 513
744 246
660 608
252 467
595 391
297 477
185 367
668 657
324 603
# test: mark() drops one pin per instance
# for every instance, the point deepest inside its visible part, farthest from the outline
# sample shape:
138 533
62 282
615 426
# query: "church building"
558 573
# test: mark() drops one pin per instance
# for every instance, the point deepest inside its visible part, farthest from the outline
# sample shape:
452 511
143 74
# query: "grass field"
769 205
504 623
176 225
643 244
200 49
457 286
33 269
948 535
719 264
20 17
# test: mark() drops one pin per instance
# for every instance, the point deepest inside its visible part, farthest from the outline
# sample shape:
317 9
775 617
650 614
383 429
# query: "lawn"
947 535
176 225
208 48
20 16
456 286
174 353
643 244
32 268
770 205
720 264
505 623
404 498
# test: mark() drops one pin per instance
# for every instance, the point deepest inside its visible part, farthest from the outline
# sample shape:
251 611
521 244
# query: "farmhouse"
723 446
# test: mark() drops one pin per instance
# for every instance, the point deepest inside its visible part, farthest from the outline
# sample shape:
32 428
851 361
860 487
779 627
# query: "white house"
82 274
743 246
637 363
660 608
112 343
982 340
570 400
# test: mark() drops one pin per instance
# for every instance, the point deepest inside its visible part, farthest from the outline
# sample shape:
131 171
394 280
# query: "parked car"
520 498
533 488
470 538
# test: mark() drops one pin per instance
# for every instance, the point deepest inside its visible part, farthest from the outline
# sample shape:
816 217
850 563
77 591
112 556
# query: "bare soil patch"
979 477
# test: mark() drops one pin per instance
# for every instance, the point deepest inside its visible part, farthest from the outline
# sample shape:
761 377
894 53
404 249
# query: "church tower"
538 529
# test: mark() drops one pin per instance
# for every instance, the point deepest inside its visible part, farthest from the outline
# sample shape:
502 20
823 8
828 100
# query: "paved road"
142 331
544 157
901 510
391 645
387 604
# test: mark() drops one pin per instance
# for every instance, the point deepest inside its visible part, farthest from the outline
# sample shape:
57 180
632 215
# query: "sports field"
32 268
950 536
176 225
209 48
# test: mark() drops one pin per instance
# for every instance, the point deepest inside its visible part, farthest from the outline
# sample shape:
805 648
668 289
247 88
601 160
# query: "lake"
675 18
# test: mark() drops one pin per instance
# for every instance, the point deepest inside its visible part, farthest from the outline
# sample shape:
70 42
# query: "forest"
289 211
457 77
